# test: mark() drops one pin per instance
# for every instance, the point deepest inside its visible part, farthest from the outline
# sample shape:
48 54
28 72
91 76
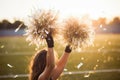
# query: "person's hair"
37 65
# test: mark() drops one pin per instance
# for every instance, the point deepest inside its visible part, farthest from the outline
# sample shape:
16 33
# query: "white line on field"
93 71
84 51
64 73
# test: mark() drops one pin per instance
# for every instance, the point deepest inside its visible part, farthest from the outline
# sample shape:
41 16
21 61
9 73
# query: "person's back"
43 65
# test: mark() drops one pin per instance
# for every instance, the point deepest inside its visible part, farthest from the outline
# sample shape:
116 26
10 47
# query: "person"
43 65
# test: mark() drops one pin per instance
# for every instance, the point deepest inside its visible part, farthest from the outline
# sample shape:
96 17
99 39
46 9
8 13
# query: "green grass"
105 53
97 76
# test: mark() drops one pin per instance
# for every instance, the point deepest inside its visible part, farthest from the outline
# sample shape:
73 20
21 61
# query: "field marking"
65 73
93 71
84 51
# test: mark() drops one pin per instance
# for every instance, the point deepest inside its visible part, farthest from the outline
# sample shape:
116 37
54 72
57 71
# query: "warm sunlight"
12 9
60 39
94 8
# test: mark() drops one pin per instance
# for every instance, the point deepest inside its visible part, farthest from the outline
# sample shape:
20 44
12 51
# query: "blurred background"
98 62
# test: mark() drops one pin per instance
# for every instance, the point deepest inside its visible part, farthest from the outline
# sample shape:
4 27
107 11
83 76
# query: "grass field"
15 55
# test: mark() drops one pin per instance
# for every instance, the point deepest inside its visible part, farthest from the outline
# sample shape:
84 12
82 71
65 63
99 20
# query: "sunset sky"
20 9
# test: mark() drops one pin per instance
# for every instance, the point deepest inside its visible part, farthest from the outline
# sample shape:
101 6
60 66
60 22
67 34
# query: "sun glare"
93 8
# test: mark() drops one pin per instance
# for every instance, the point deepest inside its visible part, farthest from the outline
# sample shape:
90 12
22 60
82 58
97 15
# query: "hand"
68 49
49 40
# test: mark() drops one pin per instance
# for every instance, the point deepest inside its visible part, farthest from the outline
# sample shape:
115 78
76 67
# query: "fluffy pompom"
77 34
42 22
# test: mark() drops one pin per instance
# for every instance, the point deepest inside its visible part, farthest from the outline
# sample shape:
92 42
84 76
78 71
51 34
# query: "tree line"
100 25
5 24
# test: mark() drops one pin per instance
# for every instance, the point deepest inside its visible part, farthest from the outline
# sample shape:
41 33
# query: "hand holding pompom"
50 41
68 49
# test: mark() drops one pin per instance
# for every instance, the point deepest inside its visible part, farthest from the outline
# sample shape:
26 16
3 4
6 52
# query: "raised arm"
61 63
50 53
50 63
